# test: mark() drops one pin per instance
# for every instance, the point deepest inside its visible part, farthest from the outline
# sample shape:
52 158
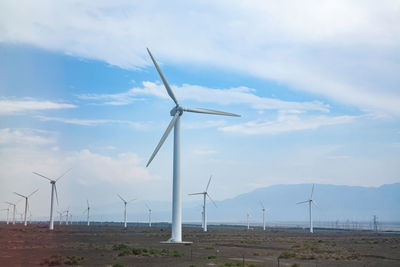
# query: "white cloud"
25 137
12 106
87 122
286 123
346 50
239 95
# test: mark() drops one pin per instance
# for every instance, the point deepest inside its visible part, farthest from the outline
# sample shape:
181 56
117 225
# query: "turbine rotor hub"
175 110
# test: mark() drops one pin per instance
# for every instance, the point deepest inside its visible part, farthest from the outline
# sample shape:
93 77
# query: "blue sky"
316 84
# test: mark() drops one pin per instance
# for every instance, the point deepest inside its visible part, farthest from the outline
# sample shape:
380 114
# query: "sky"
316 84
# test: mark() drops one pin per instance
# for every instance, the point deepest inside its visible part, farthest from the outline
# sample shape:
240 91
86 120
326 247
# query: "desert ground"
111 245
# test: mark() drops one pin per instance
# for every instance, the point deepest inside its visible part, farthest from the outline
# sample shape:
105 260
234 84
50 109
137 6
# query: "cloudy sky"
316 84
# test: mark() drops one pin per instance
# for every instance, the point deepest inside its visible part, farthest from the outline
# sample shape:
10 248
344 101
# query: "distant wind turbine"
26 205
205 195
14 209
310 208
263 210
60 213
8 214
88 213
176 112
53 189
148 208
248 221
66 216
125 202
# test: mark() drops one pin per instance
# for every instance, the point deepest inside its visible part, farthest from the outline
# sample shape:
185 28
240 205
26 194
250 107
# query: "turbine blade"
208 183
315 203
303 202
196 194
210 111
33 192
133 199
9 203
262 205
147 206
19 195
55 189
169 128
121 198
87 202
42 176
63 174
169 90
211 199
312 191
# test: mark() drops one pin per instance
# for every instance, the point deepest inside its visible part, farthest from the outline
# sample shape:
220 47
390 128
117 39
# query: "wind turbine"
309 206
263 210
26 204
248 221
88 212
149 214
14 209
125 202
8 213
53 189
205 195
176 112
60 213
66 216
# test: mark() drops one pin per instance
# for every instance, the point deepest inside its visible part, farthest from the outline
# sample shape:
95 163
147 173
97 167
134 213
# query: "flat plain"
110 245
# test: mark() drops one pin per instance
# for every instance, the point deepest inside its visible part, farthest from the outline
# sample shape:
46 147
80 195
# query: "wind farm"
199 133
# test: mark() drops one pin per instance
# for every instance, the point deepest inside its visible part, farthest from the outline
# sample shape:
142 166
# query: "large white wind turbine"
26 205
8 214
125 202
53 189
148 208
176 113
310 208
205 195
14 209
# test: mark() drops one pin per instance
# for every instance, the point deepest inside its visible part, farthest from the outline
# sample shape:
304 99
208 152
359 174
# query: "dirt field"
105 245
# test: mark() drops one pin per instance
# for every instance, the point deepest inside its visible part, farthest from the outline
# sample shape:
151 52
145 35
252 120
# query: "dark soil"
104 245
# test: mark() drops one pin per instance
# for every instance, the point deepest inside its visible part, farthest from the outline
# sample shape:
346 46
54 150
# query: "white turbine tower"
176 112
26 204
204 214
263 210
125 202
310 201
148 208
14 209
248 221
53 189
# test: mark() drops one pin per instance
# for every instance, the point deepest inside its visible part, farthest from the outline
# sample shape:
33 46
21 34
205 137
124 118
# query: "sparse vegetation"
287 254
118 265
54 260
295 265
125 250
73 260
211 257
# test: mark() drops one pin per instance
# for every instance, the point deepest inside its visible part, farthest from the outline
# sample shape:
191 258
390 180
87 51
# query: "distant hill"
354 203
